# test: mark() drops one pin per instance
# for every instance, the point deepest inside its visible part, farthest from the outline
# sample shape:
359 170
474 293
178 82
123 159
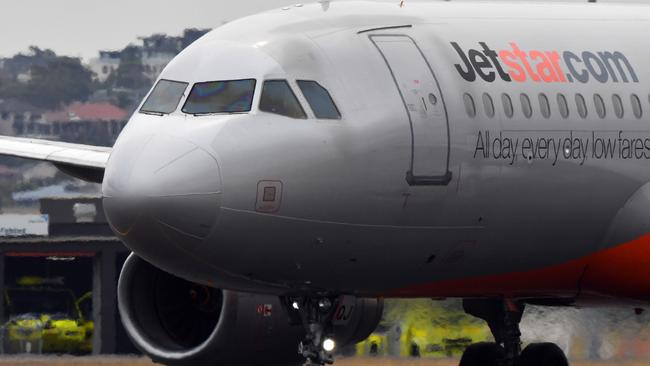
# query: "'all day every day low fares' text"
574 146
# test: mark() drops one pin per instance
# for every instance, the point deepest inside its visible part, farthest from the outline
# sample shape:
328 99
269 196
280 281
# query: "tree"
130 74
61 81
38 53
53 80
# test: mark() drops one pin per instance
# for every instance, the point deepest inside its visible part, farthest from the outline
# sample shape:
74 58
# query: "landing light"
295 305
329 345
324 305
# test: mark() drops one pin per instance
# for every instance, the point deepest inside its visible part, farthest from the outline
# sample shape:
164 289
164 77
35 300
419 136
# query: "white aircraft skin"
413 191
348 220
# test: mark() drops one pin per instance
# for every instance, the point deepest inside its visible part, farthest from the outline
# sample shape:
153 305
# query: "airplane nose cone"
167 188
160 166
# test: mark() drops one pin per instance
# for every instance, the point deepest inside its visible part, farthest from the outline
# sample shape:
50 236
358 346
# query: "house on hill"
90 123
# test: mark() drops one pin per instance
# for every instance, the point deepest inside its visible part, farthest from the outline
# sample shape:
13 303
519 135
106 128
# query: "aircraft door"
424 105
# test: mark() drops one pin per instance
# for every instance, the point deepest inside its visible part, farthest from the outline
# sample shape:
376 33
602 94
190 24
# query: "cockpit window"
165 97
234 96
319 99
278 98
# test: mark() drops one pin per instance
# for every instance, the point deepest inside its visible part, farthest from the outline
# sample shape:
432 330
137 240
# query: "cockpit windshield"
165 97
277 97
234 96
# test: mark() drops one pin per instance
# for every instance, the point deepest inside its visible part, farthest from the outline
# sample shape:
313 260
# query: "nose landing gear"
503 318
316 315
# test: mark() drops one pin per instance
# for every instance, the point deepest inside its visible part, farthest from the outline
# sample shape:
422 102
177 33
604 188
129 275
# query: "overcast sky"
82 27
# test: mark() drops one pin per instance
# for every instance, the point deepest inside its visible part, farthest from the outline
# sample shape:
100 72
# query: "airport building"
59 280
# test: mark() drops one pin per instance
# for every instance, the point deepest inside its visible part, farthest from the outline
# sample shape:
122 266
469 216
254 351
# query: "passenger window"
544 106
582 105
563 105
433 99
600 105
278 98
319 100
165 97
488 104
618 105
636 106
470 107
507 105
526 107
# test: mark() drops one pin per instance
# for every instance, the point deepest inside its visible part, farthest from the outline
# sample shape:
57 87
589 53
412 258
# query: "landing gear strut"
503 318
316 315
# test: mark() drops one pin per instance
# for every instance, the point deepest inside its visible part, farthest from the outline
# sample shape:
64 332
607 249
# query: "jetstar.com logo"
517 65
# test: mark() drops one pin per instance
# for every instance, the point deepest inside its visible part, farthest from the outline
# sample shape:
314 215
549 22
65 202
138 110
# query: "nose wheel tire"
482 354
543 354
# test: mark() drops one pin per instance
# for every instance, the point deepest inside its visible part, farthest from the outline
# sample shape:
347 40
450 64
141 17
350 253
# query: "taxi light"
329 345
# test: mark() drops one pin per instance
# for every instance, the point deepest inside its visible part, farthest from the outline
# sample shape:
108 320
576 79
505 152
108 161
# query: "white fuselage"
426 177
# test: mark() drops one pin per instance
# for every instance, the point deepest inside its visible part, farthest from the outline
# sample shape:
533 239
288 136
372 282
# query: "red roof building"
92 112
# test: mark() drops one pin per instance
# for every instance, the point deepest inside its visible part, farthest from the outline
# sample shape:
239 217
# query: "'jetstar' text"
516 65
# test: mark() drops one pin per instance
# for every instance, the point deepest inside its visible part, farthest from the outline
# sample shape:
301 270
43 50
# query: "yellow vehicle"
48 317
441 340
374 346
23 334
84 304
422 328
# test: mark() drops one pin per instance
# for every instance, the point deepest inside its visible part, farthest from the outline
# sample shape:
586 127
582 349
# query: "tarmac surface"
136 361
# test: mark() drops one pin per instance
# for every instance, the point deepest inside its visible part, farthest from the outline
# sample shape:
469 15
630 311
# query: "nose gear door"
424 105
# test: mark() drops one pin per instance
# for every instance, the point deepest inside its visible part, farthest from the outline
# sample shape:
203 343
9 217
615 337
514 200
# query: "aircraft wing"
85 162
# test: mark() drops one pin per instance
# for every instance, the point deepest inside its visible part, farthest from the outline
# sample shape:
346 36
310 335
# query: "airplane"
291 170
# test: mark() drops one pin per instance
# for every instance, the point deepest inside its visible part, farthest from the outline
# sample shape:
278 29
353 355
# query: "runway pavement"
135 361
74 361
425 362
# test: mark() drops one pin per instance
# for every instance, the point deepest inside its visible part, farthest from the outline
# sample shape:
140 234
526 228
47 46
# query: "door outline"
411 179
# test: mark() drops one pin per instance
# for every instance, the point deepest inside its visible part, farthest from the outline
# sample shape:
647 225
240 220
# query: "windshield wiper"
159 114
214 113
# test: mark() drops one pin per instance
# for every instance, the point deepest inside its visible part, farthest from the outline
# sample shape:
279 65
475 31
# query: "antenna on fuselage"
325 4
401 3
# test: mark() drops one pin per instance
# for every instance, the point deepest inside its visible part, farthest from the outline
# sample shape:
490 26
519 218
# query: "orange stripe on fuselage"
622 272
